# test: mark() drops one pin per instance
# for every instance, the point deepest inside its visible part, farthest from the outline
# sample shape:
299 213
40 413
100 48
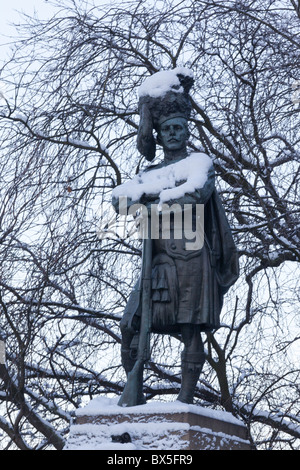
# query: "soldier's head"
173 133
165 107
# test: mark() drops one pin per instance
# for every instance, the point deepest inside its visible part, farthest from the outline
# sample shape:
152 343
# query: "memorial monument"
182 284
189 262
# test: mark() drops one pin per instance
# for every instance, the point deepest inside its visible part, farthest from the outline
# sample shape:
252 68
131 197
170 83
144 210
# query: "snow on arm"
190 173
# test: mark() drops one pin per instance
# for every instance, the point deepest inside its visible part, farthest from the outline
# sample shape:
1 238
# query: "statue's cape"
224 256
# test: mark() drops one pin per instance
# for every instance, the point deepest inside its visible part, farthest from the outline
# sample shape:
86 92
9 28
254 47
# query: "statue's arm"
203 194
199 196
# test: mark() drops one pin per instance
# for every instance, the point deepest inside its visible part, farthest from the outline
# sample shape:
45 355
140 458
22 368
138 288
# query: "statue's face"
173 133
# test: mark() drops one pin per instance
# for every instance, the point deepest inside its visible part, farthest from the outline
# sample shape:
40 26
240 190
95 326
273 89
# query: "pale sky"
10 8
10 13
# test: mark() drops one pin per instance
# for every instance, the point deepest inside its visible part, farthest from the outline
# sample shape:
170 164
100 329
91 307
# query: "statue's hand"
115 203
148 199
122 204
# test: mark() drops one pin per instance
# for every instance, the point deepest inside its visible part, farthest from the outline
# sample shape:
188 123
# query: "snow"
161 82
155 432
99 431
191 172
109 406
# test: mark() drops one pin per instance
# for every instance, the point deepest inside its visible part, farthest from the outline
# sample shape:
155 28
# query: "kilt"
184 287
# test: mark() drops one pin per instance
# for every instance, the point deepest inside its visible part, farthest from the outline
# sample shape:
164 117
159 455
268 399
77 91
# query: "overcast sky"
10 9
10 14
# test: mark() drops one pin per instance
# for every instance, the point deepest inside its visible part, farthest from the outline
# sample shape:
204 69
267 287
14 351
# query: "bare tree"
68 137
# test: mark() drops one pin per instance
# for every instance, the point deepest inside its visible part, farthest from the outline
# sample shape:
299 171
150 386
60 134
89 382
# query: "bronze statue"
183 288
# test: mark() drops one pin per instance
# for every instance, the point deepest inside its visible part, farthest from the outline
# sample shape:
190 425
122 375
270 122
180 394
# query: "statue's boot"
191 370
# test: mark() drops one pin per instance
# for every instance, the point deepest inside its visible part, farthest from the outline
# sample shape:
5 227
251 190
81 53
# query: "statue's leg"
192 361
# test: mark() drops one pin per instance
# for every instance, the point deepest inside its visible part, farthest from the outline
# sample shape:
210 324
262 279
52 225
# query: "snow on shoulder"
161 82
170 182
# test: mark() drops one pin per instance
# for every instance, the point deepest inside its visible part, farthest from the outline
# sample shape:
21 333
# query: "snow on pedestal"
155 426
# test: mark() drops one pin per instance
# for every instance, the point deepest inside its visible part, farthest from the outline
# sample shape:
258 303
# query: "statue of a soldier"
187 286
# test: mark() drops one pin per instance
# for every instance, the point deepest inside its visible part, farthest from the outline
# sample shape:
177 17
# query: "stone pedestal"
156 426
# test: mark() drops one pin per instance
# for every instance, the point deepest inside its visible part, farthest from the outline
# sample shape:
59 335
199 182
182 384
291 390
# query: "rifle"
133 391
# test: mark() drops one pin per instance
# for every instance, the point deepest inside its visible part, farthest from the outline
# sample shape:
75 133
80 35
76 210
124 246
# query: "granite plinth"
155 426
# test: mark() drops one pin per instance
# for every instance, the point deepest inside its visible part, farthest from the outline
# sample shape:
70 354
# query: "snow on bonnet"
161 82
